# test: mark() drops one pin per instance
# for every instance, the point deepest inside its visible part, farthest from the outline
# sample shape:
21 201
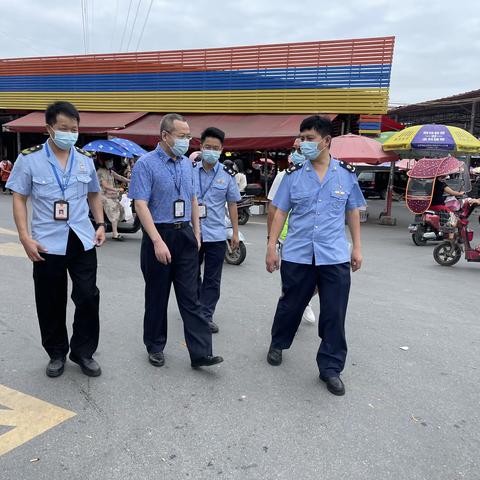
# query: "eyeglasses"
181 137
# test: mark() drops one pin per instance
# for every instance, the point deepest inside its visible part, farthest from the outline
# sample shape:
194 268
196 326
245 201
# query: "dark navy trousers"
211 255
183 273
298 284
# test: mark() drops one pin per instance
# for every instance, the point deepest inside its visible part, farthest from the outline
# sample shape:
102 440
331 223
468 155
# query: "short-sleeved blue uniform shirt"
33 175
160 181
316 226
215 187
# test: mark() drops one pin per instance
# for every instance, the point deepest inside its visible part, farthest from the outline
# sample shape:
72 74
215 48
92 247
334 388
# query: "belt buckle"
177 225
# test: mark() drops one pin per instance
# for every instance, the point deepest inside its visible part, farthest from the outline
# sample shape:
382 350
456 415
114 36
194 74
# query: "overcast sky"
437 51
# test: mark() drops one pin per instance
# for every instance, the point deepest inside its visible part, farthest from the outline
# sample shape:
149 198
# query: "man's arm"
271 213
272 259
161 250
233 212
20 215
96 206
196 221
450 191
353 221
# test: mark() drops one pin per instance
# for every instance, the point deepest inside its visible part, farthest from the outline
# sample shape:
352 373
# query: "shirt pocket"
338 200
219 192
301 202
45 187
82 184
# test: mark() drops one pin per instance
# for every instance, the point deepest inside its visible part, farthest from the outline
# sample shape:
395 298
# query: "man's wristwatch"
101 224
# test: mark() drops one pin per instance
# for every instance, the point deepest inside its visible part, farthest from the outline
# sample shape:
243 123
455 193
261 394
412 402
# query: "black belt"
172 226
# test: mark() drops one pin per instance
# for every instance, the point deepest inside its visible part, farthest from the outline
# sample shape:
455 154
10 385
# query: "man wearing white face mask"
320 195
216 186
163 187
60 179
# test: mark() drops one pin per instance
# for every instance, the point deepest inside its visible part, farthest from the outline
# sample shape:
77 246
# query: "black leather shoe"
55 367
88 365
334 385
274 356
206 361
156 359
213 327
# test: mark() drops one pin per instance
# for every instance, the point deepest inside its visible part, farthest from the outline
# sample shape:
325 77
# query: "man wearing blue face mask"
163 187
61 181
216 186
319 194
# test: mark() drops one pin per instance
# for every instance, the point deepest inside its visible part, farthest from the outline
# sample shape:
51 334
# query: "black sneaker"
55 367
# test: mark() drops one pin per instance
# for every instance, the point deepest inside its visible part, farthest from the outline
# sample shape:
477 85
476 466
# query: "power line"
112 38
133 25
82 4
144 25
126 24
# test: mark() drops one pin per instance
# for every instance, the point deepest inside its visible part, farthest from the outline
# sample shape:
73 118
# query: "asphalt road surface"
407 414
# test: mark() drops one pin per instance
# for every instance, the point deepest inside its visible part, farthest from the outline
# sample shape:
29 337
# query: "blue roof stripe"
351 76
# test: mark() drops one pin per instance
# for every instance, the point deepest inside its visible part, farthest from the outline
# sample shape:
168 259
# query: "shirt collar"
214 169
52 158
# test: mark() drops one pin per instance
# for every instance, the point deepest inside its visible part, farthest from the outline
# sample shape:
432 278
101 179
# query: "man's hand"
33 249
199 240
162 253
356 259
272 260
235 242
100 236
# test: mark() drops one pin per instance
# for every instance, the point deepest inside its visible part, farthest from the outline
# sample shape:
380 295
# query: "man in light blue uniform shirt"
319 195
164 191
59 178
216 186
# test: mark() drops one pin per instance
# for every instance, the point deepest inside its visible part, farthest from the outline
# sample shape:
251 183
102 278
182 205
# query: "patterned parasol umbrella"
107 146
433 137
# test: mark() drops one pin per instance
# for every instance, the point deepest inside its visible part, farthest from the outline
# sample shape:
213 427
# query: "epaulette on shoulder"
27 151
347 166
293 168
83 152
229 170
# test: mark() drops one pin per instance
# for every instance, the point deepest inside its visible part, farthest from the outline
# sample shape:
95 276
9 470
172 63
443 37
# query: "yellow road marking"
12 250
28 415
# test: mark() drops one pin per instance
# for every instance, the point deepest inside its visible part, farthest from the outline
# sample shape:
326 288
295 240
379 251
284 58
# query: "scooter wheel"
417 237
447 254
236 257
243 216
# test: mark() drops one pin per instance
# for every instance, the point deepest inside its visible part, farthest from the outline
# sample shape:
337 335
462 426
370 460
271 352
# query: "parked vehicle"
450 251
374 183
237 256
243 207
426 227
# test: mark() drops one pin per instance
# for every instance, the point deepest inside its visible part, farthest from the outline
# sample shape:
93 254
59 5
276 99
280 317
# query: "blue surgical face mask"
296 157
180 147
310 150
211 156
65 140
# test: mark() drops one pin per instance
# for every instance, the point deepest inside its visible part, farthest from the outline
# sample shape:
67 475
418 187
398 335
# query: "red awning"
390 125
90 122
243 132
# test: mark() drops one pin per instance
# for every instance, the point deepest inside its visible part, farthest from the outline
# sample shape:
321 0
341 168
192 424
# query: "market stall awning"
90 122
243 132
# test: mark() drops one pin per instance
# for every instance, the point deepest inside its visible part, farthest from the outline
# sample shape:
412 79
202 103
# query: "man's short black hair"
321 125
214 133
57 108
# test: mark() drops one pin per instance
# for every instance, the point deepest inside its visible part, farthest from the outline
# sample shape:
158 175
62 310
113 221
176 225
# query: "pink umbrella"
356 148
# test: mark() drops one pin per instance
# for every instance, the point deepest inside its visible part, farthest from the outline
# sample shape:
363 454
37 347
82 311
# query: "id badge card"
61 210
202 209
179 209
